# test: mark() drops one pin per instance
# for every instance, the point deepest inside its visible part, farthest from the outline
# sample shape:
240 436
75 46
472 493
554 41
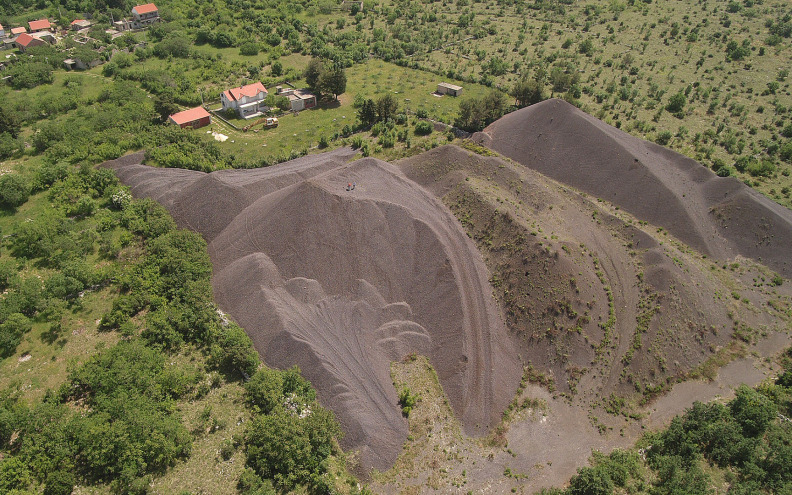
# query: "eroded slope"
720 217
605 303
344 282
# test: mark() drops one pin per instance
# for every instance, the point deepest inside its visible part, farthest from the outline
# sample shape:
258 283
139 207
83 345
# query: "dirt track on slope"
342 283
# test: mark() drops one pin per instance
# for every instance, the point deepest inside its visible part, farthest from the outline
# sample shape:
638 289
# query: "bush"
763 168
676 103
264 390
249 49
591 481
752 410
423 128
234 352
407 400
663 138
290 449
11 333
30 74
14 190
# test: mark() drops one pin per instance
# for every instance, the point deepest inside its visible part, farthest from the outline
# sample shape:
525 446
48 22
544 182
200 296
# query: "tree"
475 114
387 106
677 103
165 106
264 390
234 352
175 44
9 123
752 410
591 481
276 69
11 333
30 74
249 49
277 101
14 190
367 113
423 128
560 80
527 92
290 449
737 51
586 47
312 73
333 81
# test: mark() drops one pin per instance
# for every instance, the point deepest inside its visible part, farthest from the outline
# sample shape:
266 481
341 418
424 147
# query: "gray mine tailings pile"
342 283
720 217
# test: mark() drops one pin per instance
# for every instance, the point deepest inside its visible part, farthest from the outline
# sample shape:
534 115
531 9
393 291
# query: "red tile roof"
145 9
235 94
190 115
76 21
25 39
39 24
19 30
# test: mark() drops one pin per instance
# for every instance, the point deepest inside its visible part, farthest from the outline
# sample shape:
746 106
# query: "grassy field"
413 90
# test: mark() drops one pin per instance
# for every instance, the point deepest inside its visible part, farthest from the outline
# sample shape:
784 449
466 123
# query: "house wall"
195 124
235 104
35 42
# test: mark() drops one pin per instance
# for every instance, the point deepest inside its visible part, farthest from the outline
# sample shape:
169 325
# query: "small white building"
449 89
299 99
247 101
2 31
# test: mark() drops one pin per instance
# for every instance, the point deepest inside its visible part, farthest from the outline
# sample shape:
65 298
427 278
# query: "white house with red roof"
194 117
18 30
2 31
247 101
39 25
144 15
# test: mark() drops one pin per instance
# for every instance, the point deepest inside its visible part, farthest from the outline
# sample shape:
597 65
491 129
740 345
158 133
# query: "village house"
39 25
194 117
144 15
299 99
449 89
2 31
18 30
78 24
247 101
25 41
87 59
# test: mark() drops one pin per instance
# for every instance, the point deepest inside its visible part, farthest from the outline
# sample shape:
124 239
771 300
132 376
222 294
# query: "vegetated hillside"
605 303
720 217
343 282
